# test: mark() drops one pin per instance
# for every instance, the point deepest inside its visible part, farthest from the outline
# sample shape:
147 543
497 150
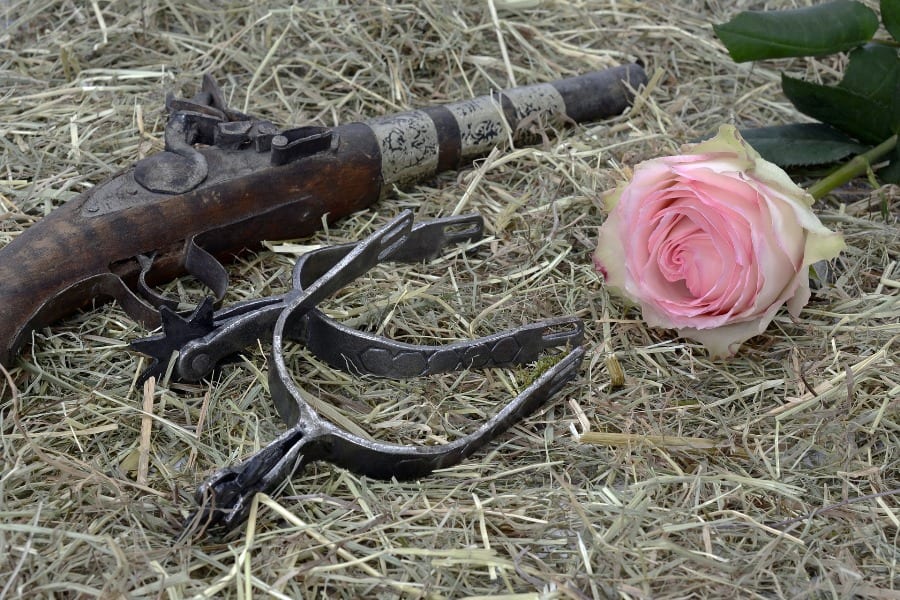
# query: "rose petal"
609 257
712 242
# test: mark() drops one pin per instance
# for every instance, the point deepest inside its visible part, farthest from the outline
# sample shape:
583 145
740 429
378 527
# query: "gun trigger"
148 293
204 267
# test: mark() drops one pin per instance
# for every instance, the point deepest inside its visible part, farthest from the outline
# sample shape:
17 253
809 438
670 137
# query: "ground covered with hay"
774 474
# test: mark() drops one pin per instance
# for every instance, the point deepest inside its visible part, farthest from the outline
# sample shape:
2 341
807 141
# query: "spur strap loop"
424 242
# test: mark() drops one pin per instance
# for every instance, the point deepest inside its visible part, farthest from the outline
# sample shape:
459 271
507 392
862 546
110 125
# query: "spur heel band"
226 497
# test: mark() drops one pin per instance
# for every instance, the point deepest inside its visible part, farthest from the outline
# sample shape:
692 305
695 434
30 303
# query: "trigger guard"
197 262
113 286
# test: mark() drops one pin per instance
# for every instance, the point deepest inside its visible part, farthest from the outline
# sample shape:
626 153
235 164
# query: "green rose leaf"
891 172
890 16
853 113
803 144
823 29
874 72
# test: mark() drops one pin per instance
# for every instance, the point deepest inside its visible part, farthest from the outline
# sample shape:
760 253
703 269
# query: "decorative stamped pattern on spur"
344 348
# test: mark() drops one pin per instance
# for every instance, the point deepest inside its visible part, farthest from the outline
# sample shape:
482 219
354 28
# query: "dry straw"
772 475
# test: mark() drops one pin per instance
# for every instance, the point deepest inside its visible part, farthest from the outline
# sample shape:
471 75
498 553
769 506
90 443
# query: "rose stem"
856 166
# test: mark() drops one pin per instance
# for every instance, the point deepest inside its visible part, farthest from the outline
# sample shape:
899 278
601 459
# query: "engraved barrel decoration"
226 182
420 143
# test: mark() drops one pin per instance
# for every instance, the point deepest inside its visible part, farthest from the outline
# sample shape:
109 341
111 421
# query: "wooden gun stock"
226 182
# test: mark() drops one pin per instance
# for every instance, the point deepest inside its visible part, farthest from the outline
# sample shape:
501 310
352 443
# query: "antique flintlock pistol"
226 181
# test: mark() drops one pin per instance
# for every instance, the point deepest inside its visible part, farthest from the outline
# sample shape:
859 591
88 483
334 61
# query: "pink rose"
712 242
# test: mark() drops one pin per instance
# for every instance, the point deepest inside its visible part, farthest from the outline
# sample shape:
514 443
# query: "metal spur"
207 337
